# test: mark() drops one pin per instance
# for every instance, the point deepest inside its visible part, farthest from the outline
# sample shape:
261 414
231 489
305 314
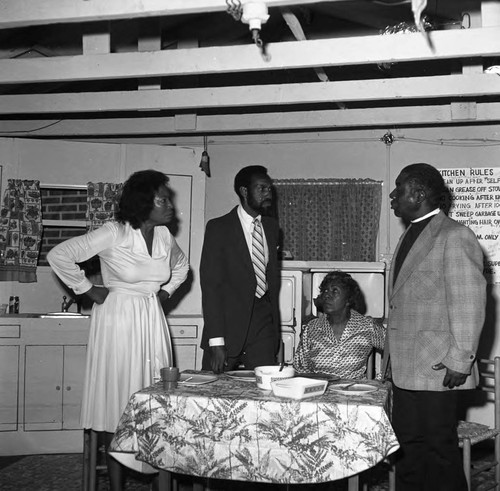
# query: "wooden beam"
19 13
458 43
444 86
149 40
285 121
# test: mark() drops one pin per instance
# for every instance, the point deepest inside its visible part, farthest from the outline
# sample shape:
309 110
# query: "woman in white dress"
141 267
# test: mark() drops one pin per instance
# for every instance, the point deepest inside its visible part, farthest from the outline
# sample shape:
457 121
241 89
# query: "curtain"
20 231
102 202
329 219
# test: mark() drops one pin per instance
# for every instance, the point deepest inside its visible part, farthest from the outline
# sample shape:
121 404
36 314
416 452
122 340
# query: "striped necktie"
258 258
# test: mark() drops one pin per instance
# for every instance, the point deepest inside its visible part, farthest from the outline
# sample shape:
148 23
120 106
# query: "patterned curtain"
102 202
20 231
329 219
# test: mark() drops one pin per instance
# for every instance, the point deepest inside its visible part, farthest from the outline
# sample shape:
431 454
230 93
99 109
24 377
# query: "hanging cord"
388 139
234 9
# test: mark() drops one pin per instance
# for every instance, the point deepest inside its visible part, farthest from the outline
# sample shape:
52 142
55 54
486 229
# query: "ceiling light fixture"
255 14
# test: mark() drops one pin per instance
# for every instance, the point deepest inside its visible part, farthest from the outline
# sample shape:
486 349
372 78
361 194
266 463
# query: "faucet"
66 304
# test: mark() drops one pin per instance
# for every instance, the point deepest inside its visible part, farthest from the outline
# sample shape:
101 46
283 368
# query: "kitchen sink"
63 315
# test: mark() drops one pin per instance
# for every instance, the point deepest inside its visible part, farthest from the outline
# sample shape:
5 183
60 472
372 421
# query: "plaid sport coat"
436 307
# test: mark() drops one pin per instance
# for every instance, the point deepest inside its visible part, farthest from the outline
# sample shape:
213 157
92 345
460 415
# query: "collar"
432 213
245 218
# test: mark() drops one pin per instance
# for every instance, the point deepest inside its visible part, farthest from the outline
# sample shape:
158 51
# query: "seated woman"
340 340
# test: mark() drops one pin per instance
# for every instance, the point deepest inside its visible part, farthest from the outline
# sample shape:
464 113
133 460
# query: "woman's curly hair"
137 196
355 296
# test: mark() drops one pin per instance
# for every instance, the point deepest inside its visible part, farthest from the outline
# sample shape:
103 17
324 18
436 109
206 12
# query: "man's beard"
264 209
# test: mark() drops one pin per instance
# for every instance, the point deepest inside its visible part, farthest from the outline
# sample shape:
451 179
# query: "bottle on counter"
16 305
11 305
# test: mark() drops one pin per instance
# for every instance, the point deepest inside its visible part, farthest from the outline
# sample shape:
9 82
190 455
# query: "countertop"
43 315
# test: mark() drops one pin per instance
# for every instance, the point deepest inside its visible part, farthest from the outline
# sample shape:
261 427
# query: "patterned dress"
129 340
319 349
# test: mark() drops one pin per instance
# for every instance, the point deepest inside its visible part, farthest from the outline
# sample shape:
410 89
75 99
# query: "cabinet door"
43 387
290 303
9 386
289 345
290 300
185 333
73 376
185 356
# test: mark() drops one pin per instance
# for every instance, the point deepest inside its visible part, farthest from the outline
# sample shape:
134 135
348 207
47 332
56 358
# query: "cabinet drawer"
10 331
183 331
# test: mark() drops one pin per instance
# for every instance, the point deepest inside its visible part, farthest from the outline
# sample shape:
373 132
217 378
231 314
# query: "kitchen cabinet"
53 387
186 338
41 371
9 375
290 304
42 368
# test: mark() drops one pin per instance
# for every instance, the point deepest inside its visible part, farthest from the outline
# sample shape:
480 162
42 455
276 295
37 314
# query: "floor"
63 472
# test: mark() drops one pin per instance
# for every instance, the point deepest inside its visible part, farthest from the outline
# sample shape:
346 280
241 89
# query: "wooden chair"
470 433
93 454
371 373
94 461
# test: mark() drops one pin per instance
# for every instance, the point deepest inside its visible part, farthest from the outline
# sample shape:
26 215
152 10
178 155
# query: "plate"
196 379
323 376
353 388
246 375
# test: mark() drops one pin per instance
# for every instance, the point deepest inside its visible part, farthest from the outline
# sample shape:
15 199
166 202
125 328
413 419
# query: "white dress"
129 339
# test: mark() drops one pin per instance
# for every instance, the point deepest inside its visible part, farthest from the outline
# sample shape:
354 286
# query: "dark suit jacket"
228 280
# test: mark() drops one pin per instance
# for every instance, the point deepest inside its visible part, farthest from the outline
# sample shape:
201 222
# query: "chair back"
489 381
370 366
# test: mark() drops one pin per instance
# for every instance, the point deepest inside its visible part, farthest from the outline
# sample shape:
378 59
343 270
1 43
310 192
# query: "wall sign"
475 202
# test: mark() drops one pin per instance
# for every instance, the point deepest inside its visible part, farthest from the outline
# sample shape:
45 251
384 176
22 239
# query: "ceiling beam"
283 121
448 86
20 13
458 43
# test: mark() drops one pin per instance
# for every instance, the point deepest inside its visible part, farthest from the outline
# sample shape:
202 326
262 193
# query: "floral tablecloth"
230 429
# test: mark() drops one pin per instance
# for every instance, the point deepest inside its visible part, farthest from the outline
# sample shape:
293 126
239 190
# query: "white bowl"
266 374
299 387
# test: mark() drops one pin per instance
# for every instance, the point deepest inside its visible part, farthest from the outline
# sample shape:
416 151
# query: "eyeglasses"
264 189
161 202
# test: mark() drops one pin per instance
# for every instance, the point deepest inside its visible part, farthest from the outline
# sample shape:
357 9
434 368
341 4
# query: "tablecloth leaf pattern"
230 429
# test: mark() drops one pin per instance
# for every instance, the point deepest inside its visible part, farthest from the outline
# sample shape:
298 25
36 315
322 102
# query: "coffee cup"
169 377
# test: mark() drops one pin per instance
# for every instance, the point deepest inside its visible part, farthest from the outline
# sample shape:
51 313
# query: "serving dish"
353 388
266 374
245 375
299 387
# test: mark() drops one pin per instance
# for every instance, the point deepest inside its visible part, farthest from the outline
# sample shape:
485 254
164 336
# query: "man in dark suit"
240 279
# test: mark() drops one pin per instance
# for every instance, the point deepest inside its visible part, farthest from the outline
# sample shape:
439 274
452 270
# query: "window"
64 211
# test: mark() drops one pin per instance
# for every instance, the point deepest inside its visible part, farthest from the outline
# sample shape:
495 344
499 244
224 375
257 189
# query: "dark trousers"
260 345
425 423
